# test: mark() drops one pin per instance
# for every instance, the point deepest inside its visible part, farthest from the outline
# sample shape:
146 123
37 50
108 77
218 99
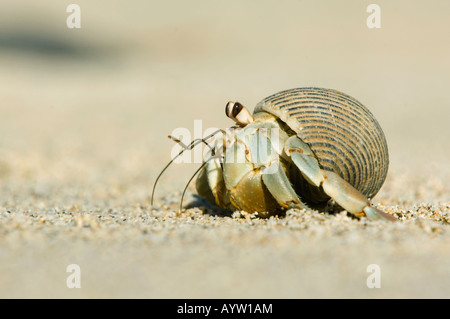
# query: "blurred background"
85 113
78 101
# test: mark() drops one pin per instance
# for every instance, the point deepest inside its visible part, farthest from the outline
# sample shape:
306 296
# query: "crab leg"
211 185
246 188
256 180
279 186
333 185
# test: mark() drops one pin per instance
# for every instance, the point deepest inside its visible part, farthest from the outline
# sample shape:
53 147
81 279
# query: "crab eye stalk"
238 113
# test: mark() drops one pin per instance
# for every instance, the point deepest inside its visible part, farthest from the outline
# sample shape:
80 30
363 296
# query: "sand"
84 119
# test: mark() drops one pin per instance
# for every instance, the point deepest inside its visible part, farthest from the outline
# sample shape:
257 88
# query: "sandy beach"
84 119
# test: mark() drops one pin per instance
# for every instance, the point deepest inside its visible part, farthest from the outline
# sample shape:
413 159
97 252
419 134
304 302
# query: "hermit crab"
306 148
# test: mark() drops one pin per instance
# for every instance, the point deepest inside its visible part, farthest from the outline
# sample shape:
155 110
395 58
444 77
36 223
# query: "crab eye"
238 113
228 109
237 107
233 109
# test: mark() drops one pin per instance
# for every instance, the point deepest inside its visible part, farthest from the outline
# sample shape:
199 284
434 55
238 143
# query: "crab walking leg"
350 198
279 186
246 190
253 175
202 184
334 186
211 185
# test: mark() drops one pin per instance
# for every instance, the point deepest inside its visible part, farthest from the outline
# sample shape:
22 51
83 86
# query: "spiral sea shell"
343 133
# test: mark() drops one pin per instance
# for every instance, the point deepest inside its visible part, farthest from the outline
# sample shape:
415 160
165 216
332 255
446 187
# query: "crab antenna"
192 177
188 147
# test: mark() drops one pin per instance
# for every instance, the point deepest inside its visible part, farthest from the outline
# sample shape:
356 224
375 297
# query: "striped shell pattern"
343 133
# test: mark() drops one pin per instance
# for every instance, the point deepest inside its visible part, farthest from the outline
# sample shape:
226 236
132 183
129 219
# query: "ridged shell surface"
343 133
